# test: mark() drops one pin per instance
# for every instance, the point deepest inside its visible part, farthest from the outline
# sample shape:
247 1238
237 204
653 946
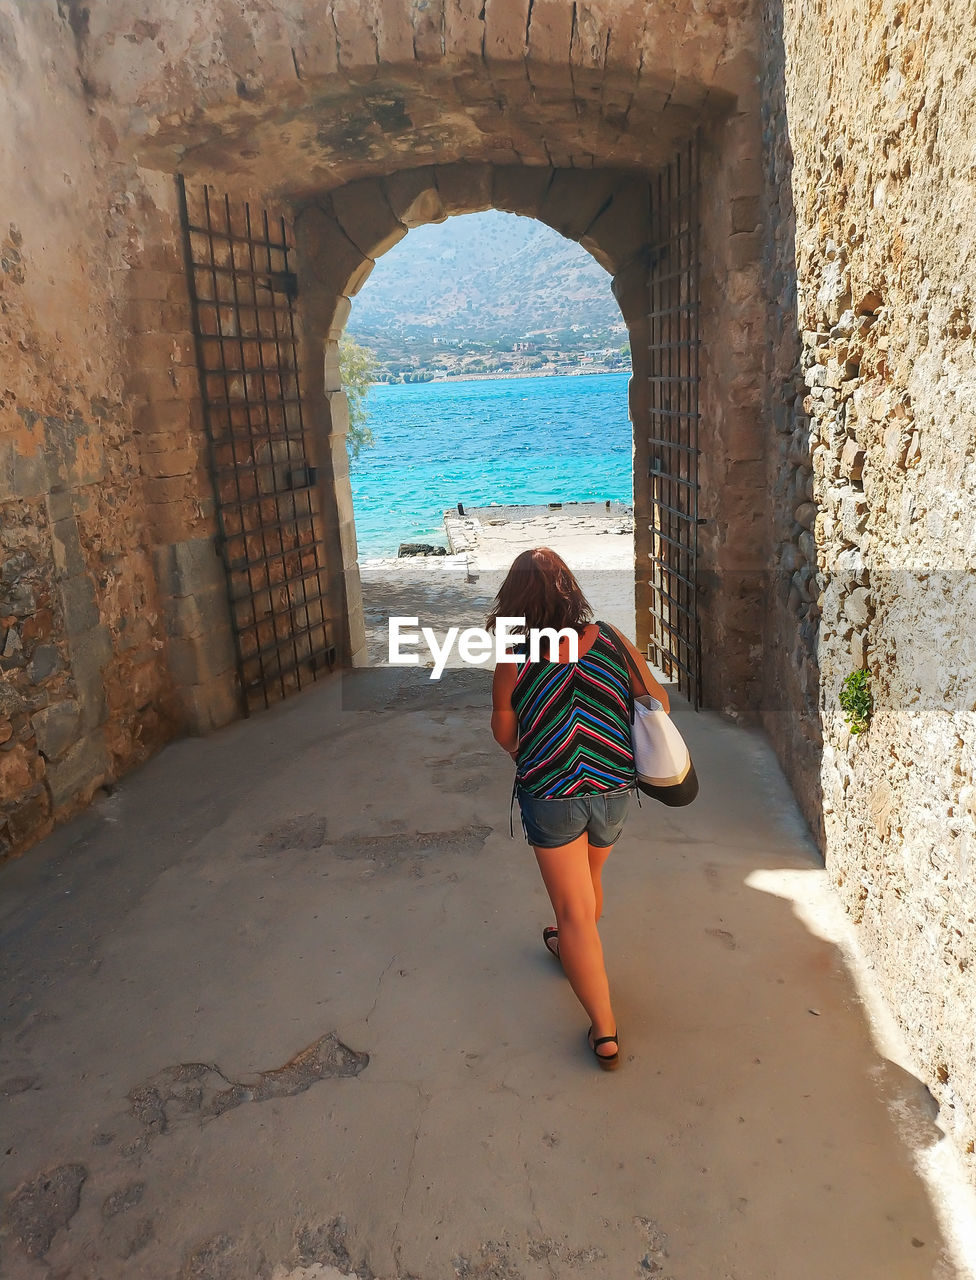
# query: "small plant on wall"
855 700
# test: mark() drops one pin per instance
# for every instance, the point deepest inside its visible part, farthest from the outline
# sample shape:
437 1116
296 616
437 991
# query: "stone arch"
359 117
340 236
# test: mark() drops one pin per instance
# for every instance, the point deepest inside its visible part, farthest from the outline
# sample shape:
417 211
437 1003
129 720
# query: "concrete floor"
279 1007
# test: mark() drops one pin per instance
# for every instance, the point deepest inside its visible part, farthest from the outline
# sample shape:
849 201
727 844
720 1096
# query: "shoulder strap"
628 662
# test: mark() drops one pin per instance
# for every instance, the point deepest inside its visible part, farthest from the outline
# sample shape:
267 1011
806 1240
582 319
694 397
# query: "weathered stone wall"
83 693
873 393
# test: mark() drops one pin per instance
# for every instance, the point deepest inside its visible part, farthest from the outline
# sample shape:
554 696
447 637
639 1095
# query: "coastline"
509 376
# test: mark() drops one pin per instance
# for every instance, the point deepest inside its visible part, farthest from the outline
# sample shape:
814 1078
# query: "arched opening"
500 421
644 230
355 126
609 214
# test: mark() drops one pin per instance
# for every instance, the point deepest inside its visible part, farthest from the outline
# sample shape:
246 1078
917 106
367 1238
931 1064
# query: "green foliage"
357 369
856 701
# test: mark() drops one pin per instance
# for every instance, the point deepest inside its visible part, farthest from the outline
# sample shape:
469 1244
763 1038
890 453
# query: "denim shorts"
550 823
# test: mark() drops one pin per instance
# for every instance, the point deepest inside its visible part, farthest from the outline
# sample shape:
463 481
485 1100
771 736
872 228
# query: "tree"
357 369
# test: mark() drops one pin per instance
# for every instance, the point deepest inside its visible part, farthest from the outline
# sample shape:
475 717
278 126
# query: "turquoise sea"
501 440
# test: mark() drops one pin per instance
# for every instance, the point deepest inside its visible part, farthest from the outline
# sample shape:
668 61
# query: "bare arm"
651 685
504 721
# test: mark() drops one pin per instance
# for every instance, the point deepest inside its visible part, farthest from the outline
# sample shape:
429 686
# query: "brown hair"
540 588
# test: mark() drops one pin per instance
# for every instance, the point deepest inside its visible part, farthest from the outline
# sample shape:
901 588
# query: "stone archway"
295 106
340 237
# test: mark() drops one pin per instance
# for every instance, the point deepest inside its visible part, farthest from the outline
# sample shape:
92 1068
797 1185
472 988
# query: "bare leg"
597 856
569 883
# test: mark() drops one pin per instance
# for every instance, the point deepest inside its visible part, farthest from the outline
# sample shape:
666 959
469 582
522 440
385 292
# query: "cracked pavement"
279 1007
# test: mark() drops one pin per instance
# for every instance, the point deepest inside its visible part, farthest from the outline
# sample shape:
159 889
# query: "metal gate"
675 638
242 288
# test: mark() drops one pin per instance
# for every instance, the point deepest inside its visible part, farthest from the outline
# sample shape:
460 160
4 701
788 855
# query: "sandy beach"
457 589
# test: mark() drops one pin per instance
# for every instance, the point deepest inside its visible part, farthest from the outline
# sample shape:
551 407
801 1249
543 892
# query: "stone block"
808 546
142 284
337 413
153 385
340 316
56 727
857 606
315 51
171 521
806 514
332 366
520 188
464 29
165 464
744 249
327 254
859 650
428 33
210 706
188 567
743 435
79 604
590 37
159 350
45 661
550 36
852 460
356 39
574 200
393 31
746 213
413 197
187 661
82 768
629 287
623 53
464 188
164 489
66 548
506 22
621 231
853 515
363 213
90 652
22 475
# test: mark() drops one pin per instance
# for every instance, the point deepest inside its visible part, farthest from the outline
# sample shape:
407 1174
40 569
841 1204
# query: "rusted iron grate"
675 636
242 289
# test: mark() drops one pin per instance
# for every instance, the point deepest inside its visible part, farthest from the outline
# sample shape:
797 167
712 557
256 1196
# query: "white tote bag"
661 757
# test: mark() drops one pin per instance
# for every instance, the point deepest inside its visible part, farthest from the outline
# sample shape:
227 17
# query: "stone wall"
872 381
83 693
114 632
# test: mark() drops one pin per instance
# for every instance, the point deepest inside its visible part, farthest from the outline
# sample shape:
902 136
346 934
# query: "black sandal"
551 934
608 1061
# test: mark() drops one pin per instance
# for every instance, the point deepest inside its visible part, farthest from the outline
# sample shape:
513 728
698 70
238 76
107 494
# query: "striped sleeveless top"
574 724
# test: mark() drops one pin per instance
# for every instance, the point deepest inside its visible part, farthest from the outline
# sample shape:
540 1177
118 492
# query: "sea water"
505 440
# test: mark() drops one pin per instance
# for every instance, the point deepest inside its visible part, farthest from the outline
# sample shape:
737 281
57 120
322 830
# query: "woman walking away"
567 726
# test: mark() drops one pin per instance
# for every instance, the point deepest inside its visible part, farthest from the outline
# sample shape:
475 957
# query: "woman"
567 726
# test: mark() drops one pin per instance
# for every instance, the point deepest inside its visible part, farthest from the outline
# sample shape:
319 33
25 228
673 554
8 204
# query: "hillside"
488 278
